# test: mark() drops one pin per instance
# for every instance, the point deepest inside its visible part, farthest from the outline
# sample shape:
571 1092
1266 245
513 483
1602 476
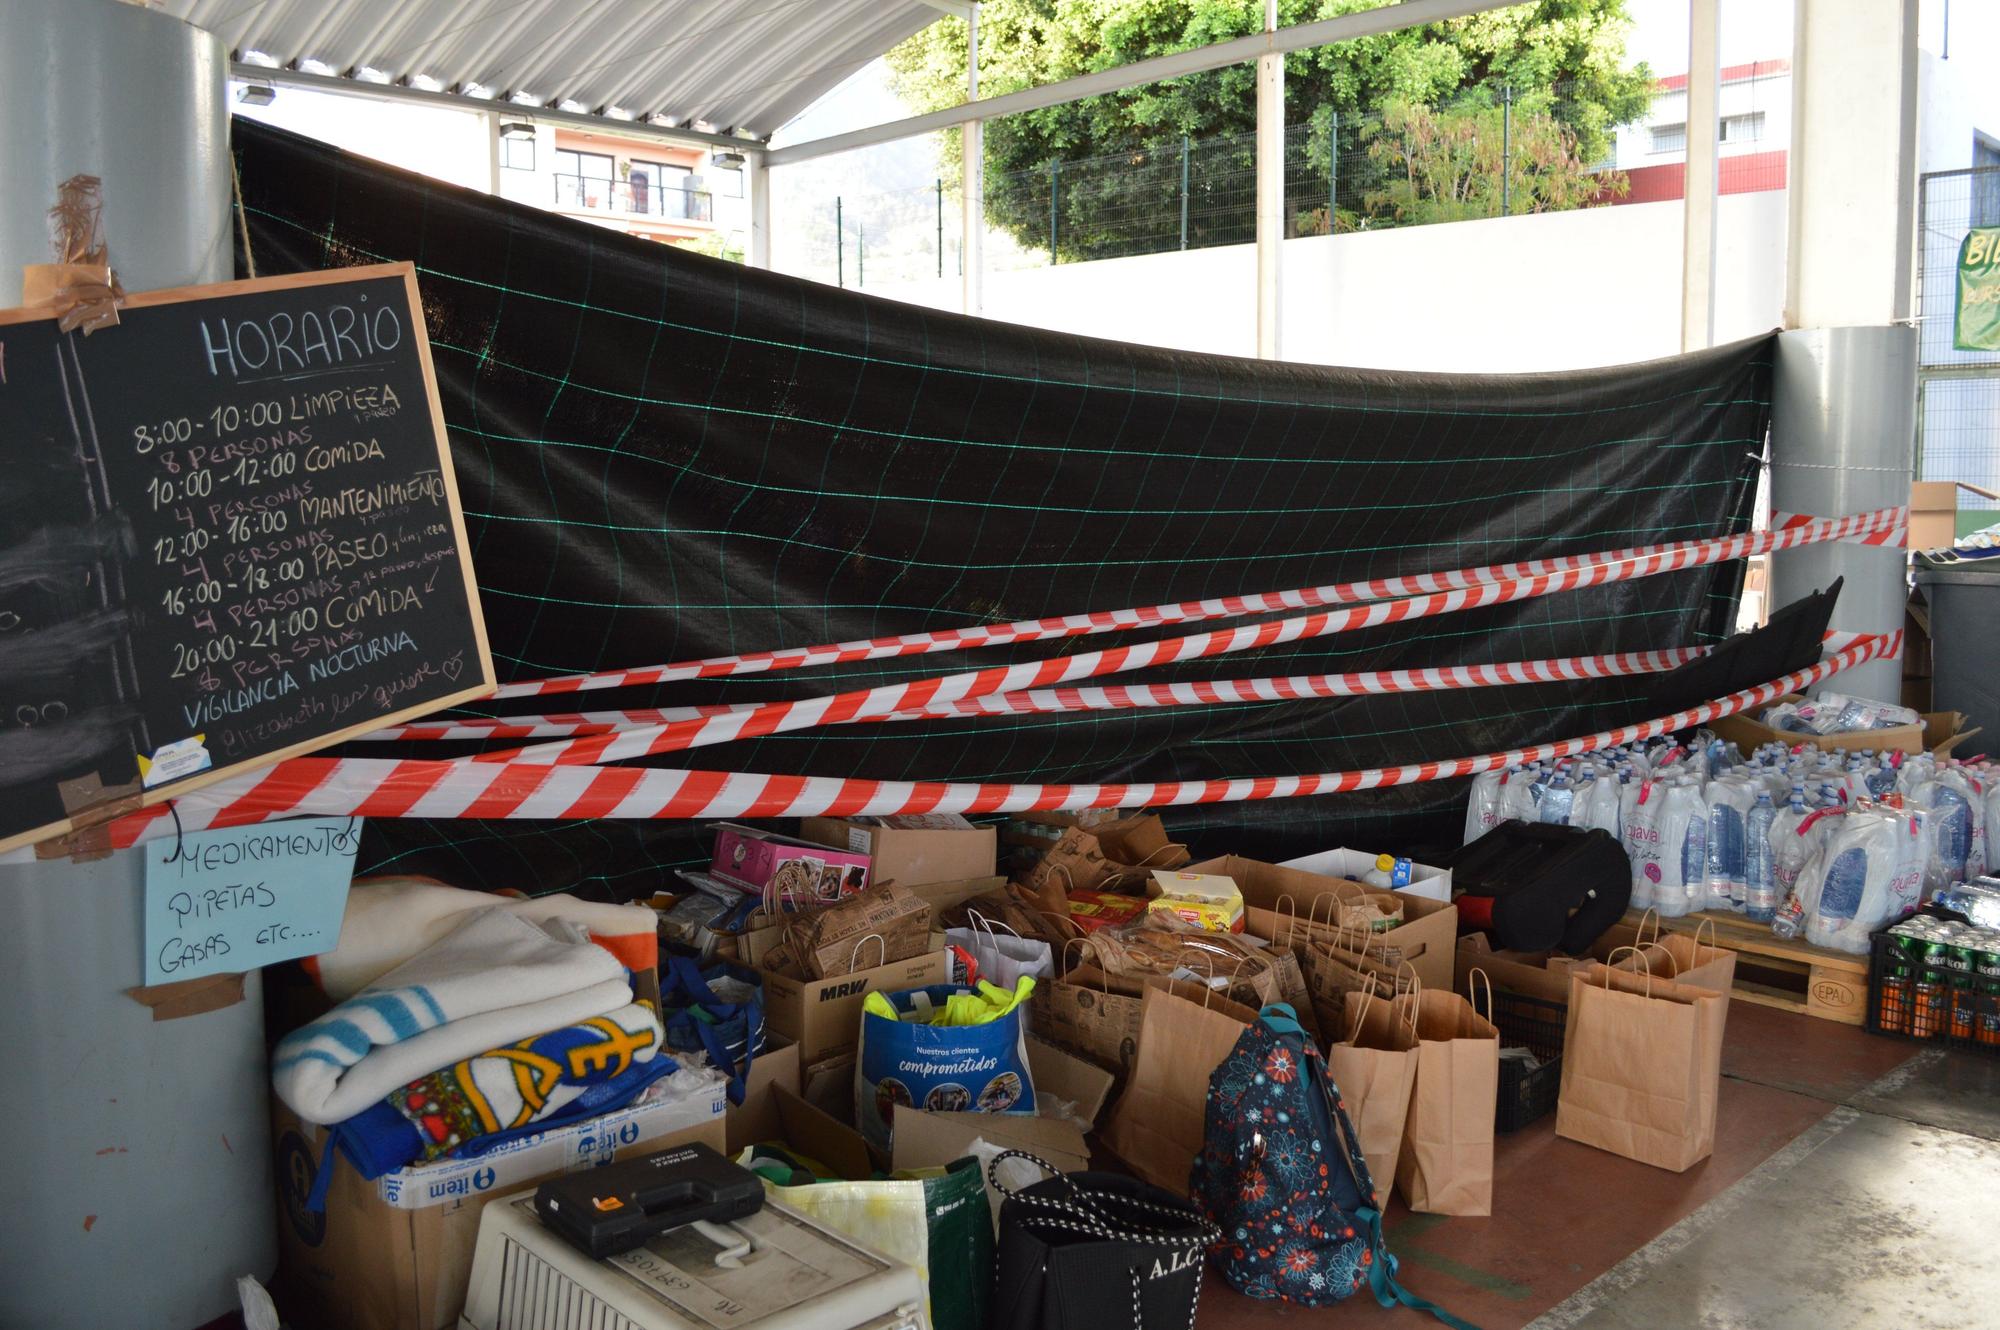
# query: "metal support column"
1844 408
757 180
138 1170
972 183
1270 187
1507 150
839 245
1699 189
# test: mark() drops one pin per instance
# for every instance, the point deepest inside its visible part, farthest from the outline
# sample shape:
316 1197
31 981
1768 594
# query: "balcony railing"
646 199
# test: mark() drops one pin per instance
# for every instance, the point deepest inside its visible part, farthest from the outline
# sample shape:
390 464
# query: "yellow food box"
1206 899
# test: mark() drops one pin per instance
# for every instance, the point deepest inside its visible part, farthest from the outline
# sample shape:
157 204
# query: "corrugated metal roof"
732 64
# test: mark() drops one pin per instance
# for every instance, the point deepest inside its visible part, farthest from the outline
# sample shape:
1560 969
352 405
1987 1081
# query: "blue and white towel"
493 981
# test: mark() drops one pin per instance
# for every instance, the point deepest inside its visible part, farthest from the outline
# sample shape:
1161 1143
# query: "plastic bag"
1729 805
909 1055
1482 811
1845 889
1604 806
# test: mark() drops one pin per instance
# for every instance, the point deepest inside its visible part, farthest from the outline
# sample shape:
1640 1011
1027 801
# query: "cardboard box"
1938 732
827 1139
395 1254
936 1140
909 858
1536 974
1933 514
1077 1081
756 1118
1426 937
1206 900
1430 883
749 858
823 1016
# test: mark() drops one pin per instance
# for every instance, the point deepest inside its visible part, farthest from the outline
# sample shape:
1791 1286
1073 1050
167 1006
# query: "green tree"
1129 142
1460 163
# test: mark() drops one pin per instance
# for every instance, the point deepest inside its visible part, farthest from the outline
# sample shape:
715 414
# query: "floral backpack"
1282 1175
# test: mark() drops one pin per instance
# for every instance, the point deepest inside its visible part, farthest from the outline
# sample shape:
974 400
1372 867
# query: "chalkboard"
228 535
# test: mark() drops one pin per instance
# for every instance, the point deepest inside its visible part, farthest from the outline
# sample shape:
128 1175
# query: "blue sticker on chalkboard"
222 901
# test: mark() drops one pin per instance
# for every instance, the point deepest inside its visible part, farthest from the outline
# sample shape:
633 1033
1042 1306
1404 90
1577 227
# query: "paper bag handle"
1361 1013
1472 992
1287 909
1709 924
1638 955
980 921
861 942
1652 916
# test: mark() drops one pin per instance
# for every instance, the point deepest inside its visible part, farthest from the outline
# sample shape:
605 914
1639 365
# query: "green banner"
1978 325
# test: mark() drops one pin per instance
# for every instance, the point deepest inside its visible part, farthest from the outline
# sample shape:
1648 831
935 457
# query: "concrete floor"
1852 1185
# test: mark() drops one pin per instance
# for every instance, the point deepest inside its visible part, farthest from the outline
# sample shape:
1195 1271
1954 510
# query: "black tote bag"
1096 1251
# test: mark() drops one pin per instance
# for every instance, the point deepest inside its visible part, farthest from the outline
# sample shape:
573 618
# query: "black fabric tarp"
663 456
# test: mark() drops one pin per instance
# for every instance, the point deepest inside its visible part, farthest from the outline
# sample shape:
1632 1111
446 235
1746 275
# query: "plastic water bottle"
1557 801
1760 870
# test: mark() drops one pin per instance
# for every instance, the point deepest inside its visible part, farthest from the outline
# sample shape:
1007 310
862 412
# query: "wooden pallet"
1773 972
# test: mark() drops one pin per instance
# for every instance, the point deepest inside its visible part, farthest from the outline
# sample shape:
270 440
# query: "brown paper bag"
1642 1064
1156 1126
1446 1166
1374 1067
1081 1012
1682 958
879 926
1075 862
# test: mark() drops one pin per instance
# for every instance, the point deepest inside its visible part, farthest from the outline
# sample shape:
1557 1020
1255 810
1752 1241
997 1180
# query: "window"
1670 138
517 153
1985 186
1746 128
726 181
660 189
583 179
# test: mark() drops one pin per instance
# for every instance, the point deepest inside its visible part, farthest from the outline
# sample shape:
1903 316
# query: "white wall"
1598 286
1955 98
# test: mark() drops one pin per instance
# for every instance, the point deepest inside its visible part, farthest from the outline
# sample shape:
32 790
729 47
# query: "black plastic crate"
1536 1024
1941 999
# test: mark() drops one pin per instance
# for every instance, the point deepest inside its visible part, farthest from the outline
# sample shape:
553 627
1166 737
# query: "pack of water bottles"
1828 845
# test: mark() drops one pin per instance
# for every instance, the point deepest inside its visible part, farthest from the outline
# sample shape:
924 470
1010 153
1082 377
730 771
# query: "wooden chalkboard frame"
485 682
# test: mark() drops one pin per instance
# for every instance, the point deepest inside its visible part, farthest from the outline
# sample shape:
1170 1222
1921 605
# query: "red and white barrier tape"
1898 535
374 787
1883 526
923 694
1204 692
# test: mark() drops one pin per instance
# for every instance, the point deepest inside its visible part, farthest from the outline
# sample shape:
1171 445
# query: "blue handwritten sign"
222 901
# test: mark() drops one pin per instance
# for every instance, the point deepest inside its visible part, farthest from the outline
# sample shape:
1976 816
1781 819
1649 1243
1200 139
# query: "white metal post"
1699 186
757 180
1270 187
972 182
1843 423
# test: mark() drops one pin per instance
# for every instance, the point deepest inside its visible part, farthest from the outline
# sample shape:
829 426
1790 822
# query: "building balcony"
594 194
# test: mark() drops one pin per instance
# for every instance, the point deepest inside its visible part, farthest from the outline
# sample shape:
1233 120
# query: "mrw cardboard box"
823 1016
1425 937
395 1253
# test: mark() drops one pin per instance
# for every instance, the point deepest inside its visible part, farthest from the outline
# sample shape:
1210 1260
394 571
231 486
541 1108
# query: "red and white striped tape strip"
559 724
1879 527
1898 535
922 694
1210 691
374 787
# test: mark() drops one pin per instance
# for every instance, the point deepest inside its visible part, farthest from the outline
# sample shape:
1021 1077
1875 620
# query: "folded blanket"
530 1083
496 980
391 919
